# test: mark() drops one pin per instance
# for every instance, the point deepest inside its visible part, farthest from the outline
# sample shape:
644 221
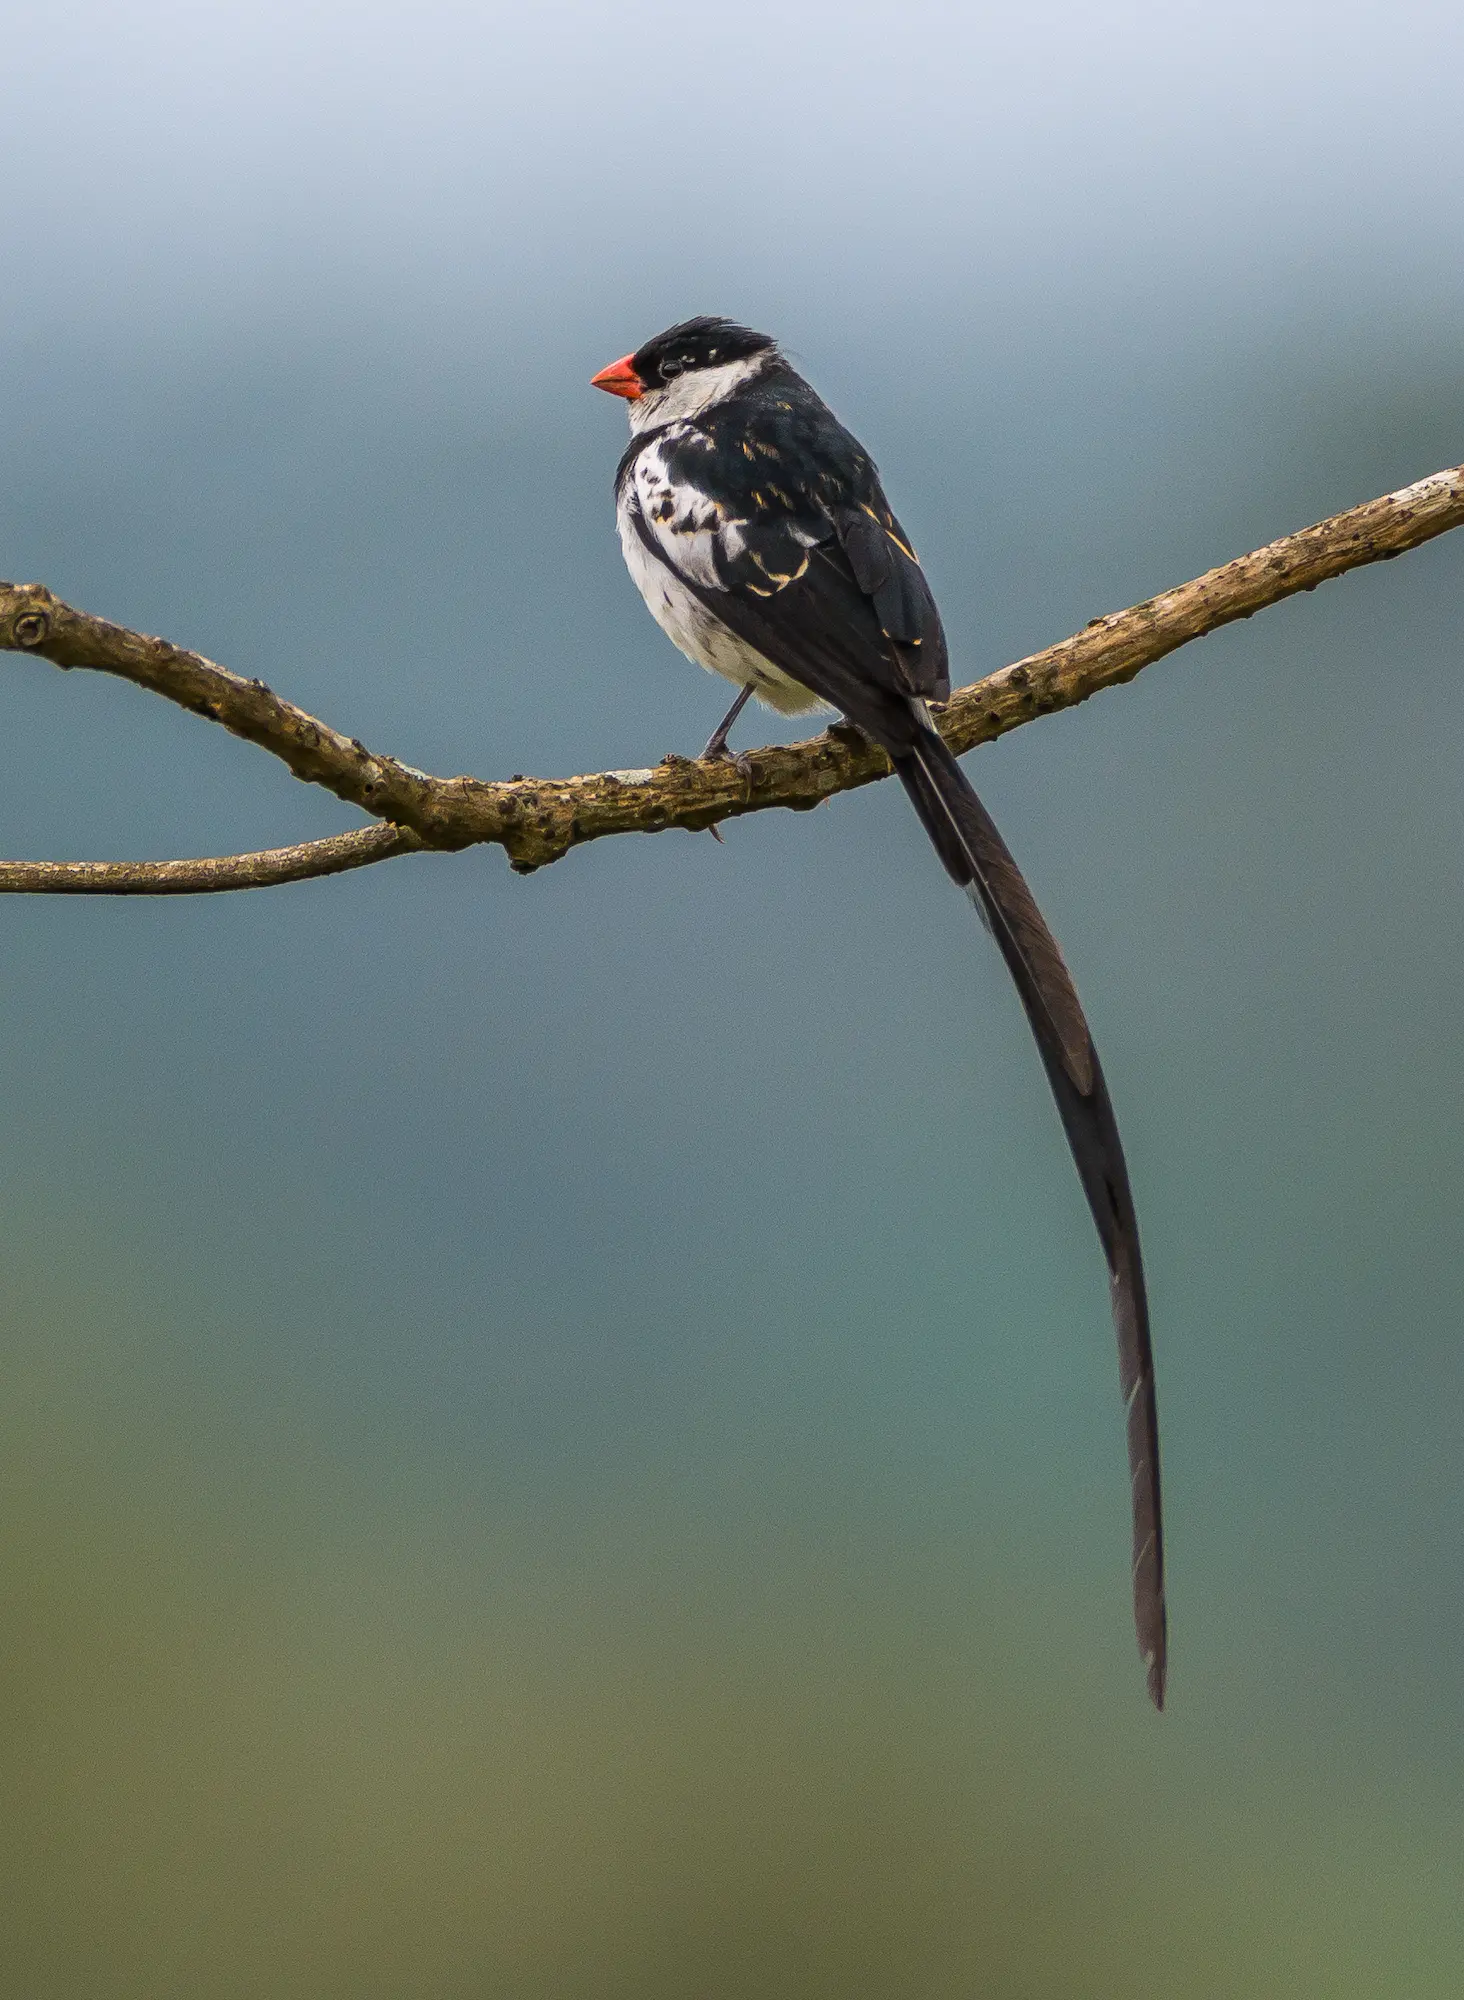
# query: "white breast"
686 523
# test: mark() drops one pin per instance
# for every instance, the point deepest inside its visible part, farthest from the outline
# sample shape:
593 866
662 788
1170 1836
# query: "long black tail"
977 857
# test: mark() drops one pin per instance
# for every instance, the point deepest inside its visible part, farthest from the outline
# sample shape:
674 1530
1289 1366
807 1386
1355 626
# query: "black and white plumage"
757 531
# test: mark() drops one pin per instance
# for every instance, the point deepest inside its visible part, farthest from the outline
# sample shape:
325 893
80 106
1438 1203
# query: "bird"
757 530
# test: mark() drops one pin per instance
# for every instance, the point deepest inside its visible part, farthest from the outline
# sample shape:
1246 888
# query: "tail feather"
975 855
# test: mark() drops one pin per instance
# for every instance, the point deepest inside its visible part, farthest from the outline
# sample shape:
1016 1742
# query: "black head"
705 342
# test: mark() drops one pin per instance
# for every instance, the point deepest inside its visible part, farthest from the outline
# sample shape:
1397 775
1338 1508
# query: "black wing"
796 520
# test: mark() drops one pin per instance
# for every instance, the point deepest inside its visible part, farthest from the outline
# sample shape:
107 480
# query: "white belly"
702 636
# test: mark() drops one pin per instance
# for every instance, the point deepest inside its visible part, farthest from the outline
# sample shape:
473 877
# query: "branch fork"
536 820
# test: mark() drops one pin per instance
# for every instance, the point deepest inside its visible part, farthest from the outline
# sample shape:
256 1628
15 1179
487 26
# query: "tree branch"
265 870
537 820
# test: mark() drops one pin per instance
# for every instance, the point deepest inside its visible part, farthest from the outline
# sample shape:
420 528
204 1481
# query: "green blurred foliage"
560 1437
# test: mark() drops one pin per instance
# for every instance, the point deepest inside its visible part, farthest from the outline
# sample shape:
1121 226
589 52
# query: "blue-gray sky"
562 1435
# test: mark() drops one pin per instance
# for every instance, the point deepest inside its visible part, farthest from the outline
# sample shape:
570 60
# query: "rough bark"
537 820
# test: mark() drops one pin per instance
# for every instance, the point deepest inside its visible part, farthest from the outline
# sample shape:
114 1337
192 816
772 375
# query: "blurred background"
560 1437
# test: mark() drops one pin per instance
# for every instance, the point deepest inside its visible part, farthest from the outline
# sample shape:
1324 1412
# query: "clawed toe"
718 753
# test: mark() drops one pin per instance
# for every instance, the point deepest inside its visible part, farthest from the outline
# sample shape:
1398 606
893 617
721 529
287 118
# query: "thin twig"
266 870
537 820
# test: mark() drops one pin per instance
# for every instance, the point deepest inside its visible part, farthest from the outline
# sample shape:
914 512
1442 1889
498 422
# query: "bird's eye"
672 368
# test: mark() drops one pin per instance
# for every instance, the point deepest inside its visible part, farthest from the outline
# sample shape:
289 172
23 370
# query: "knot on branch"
30 616
536 829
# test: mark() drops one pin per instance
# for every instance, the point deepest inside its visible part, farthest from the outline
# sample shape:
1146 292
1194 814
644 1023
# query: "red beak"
620 379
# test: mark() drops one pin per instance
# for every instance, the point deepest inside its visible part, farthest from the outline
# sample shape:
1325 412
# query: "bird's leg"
717 745
717 741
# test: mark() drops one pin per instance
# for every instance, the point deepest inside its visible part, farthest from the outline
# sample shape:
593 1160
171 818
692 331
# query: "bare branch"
307 859
538 820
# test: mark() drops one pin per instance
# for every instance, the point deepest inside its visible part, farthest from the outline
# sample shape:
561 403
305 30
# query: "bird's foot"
718 753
